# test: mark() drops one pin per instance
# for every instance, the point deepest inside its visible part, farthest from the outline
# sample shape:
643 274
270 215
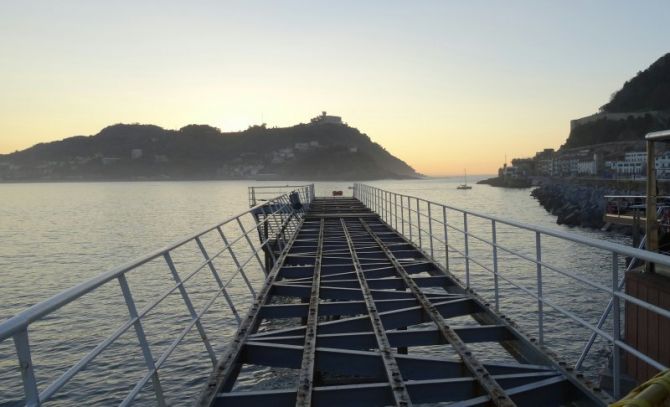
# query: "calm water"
53 236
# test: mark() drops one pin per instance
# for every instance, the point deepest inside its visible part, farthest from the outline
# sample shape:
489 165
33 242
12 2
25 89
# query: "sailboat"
464 185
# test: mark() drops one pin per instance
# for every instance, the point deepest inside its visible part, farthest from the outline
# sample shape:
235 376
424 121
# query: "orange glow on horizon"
459 85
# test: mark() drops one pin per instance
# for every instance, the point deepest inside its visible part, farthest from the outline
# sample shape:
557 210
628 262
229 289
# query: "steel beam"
306 379
395 380
476 368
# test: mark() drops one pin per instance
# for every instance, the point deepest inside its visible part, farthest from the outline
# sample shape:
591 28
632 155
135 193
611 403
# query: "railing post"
251 245
395 210
389 218
540 307
380 203
216 276
467 250
374 200
191 309
446 238
402 216
418 221
141 337
495 265
22 345
616 329
430 231
234 257
378 206
409 218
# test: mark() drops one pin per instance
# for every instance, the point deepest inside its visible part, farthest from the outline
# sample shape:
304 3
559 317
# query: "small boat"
464 185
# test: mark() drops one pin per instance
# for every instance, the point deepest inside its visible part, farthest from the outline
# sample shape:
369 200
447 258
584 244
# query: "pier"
368 300
362 292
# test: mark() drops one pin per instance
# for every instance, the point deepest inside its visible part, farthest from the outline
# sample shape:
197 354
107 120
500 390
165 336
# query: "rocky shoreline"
580 202
507 182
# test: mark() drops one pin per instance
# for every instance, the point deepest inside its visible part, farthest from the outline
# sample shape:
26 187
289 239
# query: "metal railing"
468 245
235 250
622 205
262 193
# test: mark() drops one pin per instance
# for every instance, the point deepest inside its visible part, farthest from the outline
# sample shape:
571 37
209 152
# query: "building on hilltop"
326 119
614 116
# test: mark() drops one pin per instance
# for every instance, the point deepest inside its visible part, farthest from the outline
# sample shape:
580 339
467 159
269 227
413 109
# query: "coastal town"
610 160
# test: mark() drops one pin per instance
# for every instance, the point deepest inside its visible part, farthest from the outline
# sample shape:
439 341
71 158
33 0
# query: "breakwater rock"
579 203
507 182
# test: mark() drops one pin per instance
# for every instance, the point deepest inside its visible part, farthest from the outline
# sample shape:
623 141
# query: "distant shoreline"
115 180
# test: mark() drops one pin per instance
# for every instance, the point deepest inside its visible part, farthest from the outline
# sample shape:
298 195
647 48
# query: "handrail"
280 209
421 216
37 311
634 196
599 244
265 192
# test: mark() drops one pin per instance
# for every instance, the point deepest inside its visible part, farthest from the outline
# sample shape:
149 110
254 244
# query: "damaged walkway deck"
366 319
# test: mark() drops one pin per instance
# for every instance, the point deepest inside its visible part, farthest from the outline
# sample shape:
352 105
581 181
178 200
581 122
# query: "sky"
444 85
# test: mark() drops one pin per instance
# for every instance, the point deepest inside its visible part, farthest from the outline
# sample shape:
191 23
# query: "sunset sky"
443 85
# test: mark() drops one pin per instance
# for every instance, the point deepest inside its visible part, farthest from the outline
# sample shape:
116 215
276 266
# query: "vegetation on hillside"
137 151
648 90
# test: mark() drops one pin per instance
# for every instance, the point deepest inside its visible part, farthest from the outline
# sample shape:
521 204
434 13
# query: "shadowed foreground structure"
349 307
369 324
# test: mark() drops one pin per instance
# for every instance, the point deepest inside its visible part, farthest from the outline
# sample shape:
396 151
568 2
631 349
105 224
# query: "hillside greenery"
648 90
305 151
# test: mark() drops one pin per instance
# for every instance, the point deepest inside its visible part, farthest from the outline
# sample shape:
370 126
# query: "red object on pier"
337 193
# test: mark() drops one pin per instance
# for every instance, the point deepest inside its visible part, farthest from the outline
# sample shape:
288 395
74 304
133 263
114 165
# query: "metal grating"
367 304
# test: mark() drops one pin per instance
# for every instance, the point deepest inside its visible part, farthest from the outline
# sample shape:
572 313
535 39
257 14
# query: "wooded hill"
137 151
644 103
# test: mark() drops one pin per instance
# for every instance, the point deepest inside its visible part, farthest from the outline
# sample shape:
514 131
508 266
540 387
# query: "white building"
625 167
586 167
633 164
326 119
635 156
566 166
